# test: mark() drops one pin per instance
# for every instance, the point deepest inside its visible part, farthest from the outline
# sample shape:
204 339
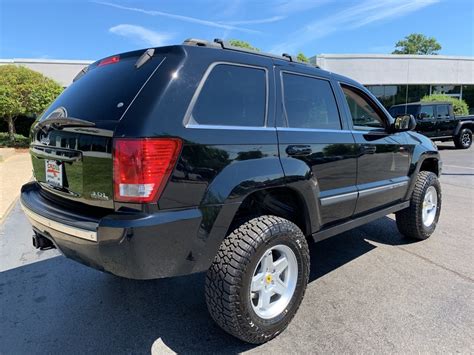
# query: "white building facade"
396 79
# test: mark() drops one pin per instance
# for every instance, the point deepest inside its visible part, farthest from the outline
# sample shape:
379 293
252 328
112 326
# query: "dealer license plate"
54 173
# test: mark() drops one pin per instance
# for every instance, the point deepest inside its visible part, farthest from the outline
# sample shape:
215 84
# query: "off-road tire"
464 139
409 220
228 278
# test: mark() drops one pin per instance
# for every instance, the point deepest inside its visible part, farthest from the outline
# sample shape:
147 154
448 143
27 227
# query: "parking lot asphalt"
370 291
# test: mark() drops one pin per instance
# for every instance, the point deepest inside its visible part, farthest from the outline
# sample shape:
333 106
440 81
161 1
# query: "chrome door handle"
368 149
298 150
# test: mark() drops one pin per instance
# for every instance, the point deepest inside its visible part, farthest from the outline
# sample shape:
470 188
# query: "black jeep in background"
203 157
437 121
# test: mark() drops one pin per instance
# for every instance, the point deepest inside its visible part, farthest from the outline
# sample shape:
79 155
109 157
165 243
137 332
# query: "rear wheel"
258 278
464 139
419 220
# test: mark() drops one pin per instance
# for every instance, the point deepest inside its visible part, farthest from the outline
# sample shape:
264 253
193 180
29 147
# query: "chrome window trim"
36 220
240 128
322 130
188 114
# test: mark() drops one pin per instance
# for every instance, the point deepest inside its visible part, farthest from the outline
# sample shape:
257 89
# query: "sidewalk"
15 170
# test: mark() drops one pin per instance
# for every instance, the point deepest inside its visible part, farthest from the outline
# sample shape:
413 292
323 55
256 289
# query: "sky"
95 29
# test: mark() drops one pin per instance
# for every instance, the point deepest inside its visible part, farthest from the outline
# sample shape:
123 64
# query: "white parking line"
457 166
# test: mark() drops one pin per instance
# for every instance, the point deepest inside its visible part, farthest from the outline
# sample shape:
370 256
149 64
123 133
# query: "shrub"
19 142
24 92
460 107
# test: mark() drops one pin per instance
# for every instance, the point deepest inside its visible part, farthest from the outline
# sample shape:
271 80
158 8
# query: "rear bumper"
132 245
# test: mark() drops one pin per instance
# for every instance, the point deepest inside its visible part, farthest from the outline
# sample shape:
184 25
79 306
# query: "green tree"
417 43
243 44
302 58
460 107
24 92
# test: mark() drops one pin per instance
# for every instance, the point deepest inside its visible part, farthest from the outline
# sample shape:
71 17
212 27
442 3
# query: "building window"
417 92
468 96
389 95
454 90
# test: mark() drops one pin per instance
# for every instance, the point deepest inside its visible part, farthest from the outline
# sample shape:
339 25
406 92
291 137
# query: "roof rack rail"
219 43
290 57
200 43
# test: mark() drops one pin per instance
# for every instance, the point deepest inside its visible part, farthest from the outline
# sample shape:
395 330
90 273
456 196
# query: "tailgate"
71 145
76 163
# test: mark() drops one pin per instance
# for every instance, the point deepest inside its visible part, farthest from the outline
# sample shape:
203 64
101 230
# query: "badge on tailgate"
54 173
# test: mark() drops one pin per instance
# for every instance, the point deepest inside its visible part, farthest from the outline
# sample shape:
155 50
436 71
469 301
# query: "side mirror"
422 115
404 123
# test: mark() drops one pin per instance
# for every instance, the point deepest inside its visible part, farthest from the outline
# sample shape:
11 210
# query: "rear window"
104 92
232 96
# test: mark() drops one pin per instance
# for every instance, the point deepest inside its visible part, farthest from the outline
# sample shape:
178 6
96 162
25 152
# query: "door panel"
331 162
445 121
383 159
382 169
426 122
313 146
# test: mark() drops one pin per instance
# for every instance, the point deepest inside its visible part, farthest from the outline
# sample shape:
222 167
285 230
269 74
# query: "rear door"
426 122
71 145
383 158
445 118
313 137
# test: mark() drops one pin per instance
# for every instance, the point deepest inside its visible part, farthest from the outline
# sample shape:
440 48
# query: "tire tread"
224 277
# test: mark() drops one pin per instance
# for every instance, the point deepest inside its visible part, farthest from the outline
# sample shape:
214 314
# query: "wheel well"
282 202
430 164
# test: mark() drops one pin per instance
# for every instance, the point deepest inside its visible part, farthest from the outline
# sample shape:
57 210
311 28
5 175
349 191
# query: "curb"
9 209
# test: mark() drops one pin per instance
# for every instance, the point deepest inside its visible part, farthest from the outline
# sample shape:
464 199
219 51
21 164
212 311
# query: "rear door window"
309 102
443 111
232 95
427 112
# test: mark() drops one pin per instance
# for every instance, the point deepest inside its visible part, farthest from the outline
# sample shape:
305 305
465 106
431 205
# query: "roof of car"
222 45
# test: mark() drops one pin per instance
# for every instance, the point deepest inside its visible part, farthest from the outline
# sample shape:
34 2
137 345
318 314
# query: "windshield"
404 110
106 90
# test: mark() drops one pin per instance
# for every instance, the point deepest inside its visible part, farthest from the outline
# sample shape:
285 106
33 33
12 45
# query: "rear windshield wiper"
60 122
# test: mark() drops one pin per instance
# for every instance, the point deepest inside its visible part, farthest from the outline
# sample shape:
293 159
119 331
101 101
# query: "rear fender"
227 192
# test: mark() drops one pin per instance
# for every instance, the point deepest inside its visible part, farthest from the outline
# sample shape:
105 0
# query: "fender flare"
461 125
229 189
416 166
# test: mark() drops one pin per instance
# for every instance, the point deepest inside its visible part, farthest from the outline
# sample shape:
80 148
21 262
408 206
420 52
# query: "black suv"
204 157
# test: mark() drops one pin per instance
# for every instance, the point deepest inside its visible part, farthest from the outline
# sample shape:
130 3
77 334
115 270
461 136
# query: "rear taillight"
142 167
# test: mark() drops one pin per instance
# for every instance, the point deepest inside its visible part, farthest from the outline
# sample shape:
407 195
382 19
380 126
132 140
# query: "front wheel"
418 221
258 279
464 139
